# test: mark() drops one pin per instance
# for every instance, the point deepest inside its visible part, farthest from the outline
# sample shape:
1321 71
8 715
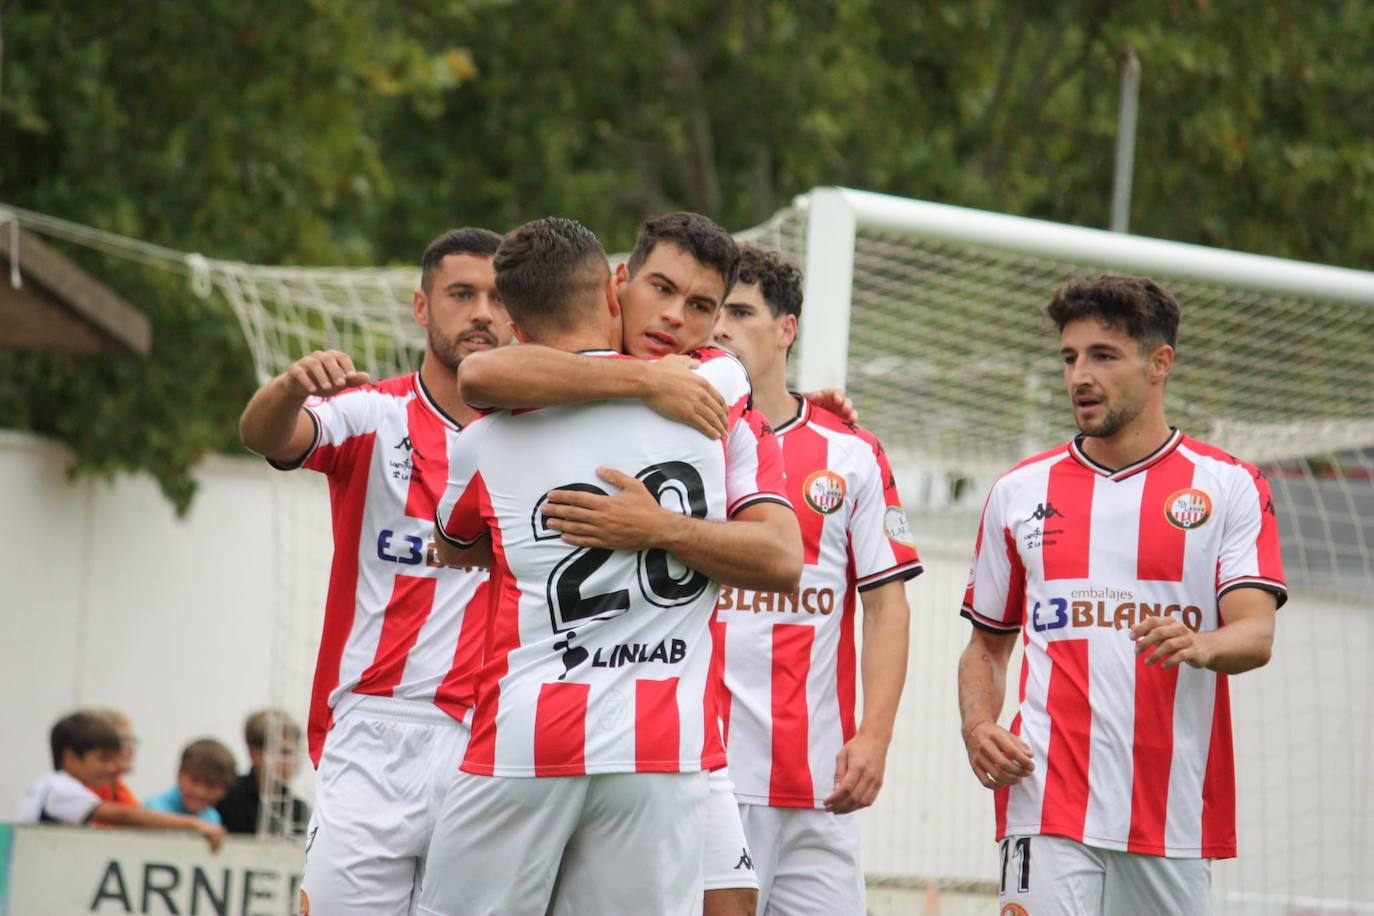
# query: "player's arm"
450 554
275 423
1243 642
862 761
759 548
530 375
130 816
998 758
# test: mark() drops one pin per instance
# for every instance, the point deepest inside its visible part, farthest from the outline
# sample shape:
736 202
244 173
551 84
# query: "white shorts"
728 862
618 844
1056 876
807 860
383 774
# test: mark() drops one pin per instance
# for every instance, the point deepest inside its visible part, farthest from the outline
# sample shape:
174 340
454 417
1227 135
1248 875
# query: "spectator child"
204 776
271 774
85 754
116 790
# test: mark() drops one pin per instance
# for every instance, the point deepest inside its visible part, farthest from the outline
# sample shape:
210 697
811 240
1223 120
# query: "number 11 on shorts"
1020 852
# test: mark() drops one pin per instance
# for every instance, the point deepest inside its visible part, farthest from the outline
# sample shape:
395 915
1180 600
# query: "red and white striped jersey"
394 622
598 661
789 661
1072 554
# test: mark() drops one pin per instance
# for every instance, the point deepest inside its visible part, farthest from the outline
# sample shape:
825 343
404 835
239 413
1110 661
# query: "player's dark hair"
780 282
468 240
1138 306
547 270
82 733
256 726
209 761
695 234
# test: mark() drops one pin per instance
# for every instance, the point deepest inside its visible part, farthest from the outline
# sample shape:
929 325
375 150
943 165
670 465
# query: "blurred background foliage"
350 132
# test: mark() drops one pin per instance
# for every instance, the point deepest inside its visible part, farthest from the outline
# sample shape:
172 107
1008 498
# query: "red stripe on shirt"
1152 752
977 549
1219 781
805 451
1067 704
499 633
412 599
718 697
454 695
1159 554
658 726
1014 611
347 496
560 730
846 661
790 779
1267 554
428 460
1069 532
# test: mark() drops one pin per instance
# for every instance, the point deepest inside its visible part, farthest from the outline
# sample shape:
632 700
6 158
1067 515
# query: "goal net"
932 318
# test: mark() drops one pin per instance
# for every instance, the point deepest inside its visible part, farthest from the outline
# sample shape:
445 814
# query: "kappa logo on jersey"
897 527
745 862
1044 511
824 491
1188 508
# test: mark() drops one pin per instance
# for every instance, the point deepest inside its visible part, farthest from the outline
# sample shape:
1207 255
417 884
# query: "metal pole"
1125 144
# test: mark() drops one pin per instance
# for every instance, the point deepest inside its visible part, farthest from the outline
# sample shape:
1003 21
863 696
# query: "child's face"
197 794
94 769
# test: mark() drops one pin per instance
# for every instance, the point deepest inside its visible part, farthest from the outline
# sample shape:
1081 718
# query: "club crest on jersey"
824 491
1014 909
1188 508
896 526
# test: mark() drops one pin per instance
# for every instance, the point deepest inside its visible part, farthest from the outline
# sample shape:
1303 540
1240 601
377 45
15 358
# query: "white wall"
107 598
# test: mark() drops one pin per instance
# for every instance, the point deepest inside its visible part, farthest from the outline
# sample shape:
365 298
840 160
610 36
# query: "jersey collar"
422 392
802 417
1150 460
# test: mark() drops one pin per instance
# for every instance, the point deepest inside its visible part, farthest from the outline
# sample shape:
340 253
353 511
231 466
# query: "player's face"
747 328
670 304
127 745
461 312
198 794
1107 376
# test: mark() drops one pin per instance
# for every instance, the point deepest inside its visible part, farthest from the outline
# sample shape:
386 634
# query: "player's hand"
833 400
324 373
859 768
629 520
213 833
1168 642
998 757
478 555
680 394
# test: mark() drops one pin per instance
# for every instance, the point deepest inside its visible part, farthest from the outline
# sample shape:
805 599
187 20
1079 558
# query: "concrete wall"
188 624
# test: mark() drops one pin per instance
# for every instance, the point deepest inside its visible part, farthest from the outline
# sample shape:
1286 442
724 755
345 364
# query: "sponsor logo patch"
824 491
896 526
1188 508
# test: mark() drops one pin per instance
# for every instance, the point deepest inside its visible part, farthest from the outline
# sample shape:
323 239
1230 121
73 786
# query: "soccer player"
594 720
801 765
392 682
1139 567
670 293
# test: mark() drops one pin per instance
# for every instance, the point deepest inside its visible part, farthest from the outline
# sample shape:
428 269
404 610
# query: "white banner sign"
54 871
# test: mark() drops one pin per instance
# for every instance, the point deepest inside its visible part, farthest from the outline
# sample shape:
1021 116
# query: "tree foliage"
352 132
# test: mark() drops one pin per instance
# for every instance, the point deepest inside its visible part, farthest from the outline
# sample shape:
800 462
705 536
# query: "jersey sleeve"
337 420
753 458
995 599
63 798
1250 556
880 539
458 516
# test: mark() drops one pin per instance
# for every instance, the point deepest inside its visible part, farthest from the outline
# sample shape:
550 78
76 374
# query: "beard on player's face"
451 349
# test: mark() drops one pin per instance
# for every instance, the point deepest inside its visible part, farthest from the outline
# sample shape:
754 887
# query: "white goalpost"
930 316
